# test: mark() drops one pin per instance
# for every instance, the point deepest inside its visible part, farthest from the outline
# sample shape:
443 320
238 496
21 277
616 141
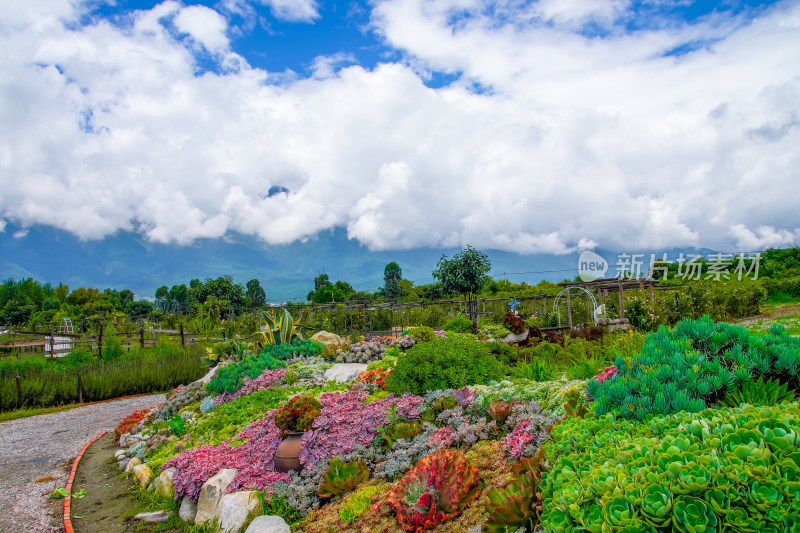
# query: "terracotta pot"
287 456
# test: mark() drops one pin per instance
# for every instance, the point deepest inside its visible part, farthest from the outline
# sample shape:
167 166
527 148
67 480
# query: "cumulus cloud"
206 26
293 10
577 141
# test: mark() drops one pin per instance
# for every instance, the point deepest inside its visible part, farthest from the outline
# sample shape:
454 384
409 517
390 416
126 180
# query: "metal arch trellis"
557 311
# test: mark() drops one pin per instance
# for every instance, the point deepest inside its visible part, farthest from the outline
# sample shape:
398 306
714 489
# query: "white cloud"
2 226
582 142
293 10
764 237
20 234
205 25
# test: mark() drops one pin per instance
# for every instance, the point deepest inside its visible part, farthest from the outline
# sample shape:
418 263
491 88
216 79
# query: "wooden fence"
56 344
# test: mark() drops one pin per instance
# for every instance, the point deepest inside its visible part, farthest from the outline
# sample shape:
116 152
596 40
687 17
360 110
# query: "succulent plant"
771 392
298 414
402 430
499 410
356 504
279 328
575 406
464 397
693 515
435 490
342 477
444 403
519 504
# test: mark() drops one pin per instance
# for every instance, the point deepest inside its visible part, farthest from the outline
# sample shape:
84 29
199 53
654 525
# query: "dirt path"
773 313
107 494
36 454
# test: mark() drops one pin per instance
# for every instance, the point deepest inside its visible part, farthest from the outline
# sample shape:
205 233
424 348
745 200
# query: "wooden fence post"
621 299
141 337
100 342
80 388
52 342
183 339
19 391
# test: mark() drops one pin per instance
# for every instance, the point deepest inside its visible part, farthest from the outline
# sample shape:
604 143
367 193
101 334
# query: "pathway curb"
68 497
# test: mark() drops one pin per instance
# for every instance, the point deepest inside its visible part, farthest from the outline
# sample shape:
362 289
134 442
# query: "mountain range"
128 260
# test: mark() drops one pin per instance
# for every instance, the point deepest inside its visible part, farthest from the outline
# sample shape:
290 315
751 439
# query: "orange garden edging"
68 497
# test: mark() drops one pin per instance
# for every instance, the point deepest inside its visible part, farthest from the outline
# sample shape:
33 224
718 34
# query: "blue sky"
545 126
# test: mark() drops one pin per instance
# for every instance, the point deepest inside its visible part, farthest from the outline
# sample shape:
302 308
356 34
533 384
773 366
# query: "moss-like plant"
356 504
342 477
435 490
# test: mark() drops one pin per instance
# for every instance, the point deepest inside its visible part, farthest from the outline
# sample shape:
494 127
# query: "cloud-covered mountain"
126 260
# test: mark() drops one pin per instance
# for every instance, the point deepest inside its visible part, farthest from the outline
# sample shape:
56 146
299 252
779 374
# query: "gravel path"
43 447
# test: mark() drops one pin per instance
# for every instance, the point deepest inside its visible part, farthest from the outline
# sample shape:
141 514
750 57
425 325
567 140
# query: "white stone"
164 484
327 338
119 454
234 509
211 494
344 371
211 374
154 517
131 464
268 524
143 475
188 509
512 338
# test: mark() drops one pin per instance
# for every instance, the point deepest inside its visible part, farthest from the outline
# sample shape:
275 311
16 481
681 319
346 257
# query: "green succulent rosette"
656 506
693 515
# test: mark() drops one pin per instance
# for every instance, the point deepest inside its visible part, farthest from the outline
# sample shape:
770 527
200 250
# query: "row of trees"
230 295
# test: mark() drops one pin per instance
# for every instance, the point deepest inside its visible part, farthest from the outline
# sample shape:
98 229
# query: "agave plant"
279 329
435 490
759 392
342 477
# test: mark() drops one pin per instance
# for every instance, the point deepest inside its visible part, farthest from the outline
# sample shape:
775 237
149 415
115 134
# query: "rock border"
68 498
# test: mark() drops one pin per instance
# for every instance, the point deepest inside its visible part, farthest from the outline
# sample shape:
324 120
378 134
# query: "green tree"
255 295
392 276
465 274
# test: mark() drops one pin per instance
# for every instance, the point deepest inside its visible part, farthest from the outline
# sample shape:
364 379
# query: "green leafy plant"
176 425
759 392
536 370
298 414
459 324
435 490
443 363
342 477
421 334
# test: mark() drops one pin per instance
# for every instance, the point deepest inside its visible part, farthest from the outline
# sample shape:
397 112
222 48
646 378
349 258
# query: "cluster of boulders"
230 510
